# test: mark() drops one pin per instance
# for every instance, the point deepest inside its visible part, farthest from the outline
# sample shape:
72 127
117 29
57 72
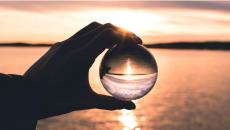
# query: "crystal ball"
128 71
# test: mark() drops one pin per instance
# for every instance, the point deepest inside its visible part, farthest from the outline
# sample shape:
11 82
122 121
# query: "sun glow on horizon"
137 21
153 25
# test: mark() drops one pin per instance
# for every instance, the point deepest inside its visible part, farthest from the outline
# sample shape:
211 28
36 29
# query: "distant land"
211 45
19 44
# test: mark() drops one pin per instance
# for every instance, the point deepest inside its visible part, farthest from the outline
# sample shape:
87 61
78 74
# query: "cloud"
42 6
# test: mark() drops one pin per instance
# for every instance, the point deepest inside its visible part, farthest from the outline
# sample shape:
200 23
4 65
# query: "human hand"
62 73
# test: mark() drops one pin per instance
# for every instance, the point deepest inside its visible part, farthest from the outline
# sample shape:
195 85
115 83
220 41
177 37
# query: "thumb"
111 103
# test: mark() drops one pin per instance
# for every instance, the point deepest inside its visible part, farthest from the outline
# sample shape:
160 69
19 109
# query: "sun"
128 70
137 21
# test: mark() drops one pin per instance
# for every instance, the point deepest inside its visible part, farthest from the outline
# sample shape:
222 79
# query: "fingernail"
137 39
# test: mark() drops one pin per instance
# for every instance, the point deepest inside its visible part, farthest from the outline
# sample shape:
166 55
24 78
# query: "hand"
62 73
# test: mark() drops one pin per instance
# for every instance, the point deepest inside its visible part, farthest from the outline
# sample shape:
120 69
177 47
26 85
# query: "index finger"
107 39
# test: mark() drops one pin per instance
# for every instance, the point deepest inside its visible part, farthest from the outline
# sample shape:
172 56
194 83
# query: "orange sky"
48 22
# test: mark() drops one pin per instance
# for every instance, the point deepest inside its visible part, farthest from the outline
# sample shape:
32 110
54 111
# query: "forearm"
19 102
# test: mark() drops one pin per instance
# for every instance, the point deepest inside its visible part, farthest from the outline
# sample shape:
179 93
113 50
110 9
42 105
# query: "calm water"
192 93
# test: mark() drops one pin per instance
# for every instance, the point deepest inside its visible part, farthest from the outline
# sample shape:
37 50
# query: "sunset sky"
49 22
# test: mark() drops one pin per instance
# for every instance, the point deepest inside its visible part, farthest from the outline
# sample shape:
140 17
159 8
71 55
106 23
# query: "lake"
192 93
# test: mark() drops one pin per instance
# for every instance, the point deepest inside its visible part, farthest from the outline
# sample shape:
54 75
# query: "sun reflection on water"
128 120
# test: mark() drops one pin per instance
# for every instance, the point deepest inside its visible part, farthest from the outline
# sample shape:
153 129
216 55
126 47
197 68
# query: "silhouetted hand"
62 73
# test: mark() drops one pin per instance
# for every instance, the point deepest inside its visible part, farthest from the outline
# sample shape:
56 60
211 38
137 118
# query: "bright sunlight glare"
135 21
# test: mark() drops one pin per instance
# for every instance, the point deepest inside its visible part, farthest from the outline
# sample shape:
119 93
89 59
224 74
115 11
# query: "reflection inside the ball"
128 72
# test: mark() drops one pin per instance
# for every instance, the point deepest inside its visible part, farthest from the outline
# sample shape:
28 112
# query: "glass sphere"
128 71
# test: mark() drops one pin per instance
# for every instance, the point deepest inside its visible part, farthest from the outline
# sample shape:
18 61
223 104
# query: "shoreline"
212 45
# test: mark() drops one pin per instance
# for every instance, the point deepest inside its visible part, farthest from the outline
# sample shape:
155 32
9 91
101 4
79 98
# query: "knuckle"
94 23
109 31
111 35
108 25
